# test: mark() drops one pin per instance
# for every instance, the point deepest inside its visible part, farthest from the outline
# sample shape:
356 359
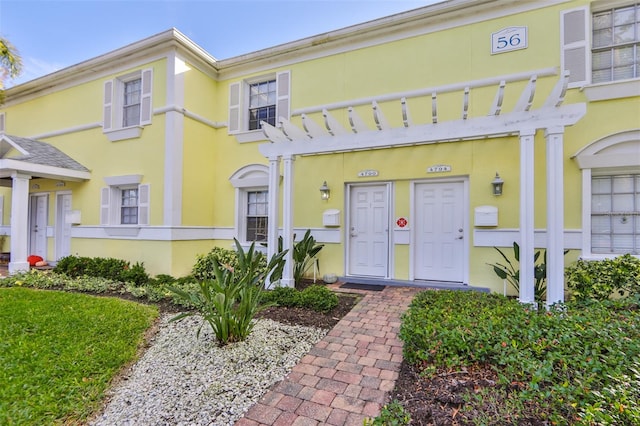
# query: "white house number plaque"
508 39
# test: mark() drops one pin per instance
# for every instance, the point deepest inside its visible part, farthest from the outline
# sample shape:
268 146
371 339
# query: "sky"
53 34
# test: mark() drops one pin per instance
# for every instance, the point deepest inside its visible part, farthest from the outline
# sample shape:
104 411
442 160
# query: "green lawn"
58 352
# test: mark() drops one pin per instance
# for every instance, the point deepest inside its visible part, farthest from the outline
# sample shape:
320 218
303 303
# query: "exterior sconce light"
325 192
497 183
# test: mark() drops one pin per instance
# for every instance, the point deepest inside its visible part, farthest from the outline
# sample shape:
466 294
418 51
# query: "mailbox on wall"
486 216
331 218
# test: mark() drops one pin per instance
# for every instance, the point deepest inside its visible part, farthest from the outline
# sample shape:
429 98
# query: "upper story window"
262 103
255 100
131 104
127 105
616 44
601 46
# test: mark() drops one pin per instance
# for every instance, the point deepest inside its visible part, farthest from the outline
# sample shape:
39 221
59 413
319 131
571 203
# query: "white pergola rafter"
289 140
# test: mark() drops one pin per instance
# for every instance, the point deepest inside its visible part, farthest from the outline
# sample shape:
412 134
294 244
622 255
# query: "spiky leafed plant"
230 301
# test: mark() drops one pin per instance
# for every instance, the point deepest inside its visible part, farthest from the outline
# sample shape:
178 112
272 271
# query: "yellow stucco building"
439 133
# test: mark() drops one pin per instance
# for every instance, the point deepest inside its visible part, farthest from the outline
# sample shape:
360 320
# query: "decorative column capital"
552 131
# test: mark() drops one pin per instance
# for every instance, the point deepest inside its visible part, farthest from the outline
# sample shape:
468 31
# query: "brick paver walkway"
346 377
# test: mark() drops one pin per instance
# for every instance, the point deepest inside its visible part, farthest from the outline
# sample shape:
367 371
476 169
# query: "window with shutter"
125 201
2 121
262 99
127 105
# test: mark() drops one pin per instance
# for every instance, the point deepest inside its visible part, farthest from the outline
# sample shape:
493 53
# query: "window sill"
613 90
125 133
250 136
602 256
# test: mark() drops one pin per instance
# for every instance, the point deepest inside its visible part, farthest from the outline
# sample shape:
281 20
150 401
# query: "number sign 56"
508 39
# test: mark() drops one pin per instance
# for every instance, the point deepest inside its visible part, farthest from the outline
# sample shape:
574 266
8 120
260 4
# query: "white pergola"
288 141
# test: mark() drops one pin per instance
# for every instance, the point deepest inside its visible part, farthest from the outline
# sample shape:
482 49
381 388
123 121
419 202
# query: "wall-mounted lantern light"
497 183
325 192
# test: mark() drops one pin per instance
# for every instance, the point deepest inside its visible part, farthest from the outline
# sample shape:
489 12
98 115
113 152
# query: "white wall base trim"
506 237
186 233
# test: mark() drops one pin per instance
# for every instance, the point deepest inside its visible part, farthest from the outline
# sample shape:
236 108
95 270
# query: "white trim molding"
505 237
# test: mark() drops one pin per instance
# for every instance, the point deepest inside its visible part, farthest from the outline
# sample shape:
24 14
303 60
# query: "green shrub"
231 300
54 280
204 267
316 297
600 279
319 298
558 357
110 268
283 296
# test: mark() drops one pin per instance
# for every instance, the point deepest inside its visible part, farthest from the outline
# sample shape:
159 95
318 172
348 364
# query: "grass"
60 350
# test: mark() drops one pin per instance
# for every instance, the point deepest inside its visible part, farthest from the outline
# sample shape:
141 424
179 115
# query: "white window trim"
253 177
239 105
593 163
113 104
615 89
111 199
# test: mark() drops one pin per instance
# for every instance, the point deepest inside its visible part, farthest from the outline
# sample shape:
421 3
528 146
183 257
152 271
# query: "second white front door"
368 232
439 231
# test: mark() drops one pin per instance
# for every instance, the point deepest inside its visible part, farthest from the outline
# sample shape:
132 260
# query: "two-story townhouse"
410 145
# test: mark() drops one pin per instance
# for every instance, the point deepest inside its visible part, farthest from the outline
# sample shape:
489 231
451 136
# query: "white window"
131 103
262 103
615 214
127 105
255 100
129 206
125 201
611 195
602 45
252 202
256 218
616 44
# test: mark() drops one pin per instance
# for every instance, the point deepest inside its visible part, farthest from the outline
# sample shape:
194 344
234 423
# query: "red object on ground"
33 259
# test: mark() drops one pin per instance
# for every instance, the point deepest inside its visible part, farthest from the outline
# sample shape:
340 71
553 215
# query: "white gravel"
185 380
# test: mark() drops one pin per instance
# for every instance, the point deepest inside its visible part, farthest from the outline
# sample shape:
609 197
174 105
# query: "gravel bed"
185 380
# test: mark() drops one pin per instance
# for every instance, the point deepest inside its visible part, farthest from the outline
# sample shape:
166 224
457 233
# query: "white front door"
63 228
439 231
368 233
38 225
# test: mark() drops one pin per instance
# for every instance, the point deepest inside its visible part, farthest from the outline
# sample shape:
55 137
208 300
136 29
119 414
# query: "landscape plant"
601 279
567 364
304 255
510 271
60 350
230 301
316 297
110 268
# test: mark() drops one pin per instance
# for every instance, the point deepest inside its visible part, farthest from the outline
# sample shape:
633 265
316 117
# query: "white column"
527 210
274 192
287 221
19 223
555 215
